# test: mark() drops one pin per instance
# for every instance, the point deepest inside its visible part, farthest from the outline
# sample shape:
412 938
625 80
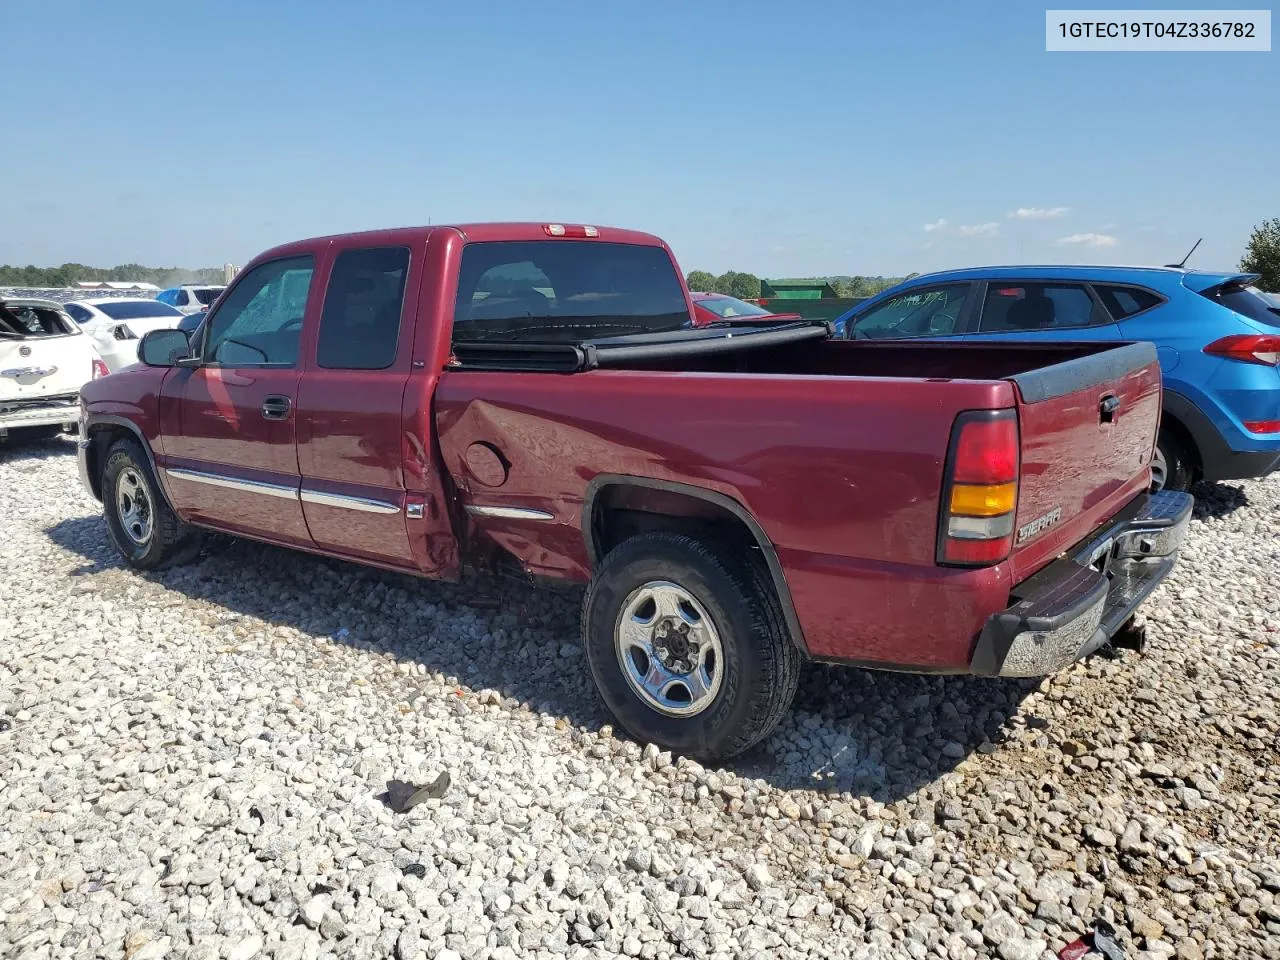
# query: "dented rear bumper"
1076 604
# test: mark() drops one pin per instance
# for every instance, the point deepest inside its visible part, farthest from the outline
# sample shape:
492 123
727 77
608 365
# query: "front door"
232 460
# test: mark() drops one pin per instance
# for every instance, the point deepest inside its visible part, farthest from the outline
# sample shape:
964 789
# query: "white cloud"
1090 239
1038 213
939 224
979 229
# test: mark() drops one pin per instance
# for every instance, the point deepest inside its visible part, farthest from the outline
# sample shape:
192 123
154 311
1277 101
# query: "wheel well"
101 438
620 512
618 509
1170 422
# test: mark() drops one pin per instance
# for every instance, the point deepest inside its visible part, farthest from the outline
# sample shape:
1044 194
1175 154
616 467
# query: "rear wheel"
145 530
1173 467
688 649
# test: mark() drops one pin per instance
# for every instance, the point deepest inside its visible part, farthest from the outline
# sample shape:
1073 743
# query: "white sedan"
117 324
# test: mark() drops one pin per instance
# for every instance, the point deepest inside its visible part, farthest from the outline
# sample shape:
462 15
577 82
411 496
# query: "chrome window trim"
245 486
363 504
508 513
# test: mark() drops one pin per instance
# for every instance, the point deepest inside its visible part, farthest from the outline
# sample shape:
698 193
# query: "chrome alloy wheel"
669 649
133 506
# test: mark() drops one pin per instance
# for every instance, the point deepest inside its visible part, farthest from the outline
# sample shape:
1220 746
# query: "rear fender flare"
724 502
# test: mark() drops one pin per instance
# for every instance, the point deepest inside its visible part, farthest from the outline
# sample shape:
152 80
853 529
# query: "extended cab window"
1038 306
565 291
260 322
922 312
1124 302
360 325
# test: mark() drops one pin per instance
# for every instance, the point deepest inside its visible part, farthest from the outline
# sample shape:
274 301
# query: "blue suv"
1217 336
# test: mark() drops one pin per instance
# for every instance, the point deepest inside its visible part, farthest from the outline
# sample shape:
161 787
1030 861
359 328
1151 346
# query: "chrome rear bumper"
1076 604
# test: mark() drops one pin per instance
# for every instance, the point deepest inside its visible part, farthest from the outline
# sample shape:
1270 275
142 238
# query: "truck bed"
836 448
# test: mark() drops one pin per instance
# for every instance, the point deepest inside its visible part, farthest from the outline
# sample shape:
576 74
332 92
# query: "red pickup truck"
739 499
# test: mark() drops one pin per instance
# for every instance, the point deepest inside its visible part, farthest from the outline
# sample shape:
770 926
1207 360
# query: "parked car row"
739 496
50 348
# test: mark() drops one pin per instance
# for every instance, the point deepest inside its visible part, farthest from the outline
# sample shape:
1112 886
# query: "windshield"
730 308
565 291
207 295
137 310
1251 302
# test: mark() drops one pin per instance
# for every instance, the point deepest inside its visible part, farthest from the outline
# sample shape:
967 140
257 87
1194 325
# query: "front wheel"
145 530
688 650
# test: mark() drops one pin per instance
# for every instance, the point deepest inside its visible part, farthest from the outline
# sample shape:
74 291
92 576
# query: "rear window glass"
730 308
1124 302
565 291
28 320
207 296
1251 302
137 309
360 325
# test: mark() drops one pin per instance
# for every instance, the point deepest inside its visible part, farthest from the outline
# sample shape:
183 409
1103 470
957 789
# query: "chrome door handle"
276 408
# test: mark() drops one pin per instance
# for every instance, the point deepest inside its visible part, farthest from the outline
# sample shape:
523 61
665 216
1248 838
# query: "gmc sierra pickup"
739 498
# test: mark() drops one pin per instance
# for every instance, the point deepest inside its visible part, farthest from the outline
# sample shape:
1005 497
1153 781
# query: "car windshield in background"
1252 303
730 308
566 291
137 310
207 296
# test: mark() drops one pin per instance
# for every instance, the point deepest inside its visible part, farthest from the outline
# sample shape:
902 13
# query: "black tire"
167 539
1179 462
761 665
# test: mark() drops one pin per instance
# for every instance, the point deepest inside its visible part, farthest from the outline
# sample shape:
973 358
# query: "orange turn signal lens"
983 500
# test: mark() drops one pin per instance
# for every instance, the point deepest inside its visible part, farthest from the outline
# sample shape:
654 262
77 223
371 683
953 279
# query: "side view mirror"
164 348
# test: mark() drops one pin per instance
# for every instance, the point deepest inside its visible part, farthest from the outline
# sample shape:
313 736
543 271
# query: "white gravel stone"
191 764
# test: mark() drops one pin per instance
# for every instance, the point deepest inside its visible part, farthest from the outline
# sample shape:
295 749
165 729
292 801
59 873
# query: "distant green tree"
701 281
1262 254
744 286
71 273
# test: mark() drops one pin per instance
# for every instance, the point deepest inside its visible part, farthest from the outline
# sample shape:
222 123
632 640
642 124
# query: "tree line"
69 274
746 286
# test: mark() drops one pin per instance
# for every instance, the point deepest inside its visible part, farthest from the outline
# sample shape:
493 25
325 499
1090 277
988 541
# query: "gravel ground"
194 765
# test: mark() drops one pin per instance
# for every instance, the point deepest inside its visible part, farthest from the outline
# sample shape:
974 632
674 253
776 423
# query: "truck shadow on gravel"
851 731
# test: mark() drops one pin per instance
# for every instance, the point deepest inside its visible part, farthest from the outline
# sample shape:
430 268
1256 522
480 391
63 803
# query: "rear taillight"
1261 348
99 368
980 489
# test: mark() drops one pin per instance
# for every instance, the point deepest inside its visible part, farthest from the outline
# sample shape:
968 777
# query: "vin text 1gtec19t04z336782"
739 498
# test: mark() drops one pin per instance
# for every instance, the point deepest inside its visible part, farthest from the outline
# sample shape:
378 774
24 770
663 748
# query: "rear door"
1088 429
43 355
349 414
232 458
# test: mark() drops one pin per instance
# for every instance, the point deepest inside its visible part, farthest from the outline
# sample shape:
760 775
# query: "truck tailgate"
1088 429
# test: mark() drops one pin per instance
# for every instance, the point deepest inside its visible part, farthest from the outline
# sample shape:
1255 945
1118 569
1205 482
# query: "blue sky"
780 139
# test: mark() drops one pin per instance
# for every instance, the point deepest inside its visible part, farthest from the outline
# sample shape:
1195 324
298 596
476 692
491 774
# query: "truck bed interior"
802 349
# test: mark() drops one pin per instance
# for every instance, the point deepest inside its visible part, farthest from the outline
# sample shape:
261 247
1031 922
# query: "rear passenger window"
1126 301
360 325
1009 307
180 299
